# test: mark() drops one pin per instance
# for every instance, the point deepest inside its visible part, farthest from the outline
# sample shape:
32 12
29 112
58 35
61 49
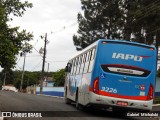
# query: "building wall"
53 91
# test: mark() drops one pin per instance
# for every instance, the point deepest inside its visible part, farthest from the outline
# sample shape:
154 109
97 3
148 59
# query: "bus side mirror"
68 67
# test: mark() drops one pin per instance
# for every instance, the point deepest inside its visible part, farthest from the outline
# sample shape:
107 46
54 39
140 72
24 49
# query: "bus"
115 74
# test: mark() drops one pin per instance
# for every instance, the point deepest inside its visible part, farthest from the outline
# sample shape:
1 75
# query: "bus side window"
84 59
82 63
93 53
89 59
88 54
76 65
86 62
79 64
73 67
92 60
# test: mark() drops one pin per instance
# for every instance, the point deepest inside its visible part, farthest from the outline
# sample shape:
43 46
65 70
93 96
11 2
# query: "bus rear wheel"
67 101
78 105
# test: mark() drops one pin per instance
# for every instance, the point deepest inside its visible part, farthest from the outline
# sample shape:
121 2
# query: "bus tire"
67 101
78 105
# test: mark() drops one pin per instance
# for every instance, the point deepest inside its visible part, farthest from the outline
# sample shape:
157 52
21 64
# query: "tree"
118 19
141 18
30 78
11 39
8 76
99 21
59 77
1 83
17 78
150 20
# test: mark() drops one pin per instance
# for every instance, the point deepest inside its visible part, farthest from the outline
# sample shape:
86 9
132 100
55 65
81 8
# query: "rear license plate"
122 103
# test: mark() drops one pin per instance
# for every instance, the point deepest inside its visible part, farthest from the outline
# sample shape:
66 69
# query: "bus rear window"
125 70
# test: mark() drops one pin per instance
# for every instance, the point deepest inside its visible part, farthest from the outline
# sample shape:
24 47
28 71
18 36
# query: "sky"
57 18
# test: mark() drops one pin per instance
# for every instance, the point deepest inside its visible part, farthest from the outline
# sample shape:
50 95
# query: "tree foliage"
11 39
14 77
117 19
8 76
30 78
142 18
59 78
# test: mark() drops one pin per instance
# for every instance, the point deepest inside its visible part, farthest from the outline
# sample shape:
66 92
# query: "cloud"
46 16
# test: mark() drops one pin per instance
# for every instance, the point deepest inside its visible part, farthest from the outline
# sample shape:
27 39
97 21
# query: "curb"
50 96
156 105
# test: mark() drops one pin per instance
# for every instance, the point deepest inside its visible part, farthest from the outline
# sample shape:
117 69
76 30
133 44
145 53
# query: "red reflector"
150 92
142 87
96 86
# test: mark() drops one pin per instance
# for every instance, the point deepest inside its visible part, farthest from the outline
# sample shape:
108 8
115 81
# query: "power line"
147 8
37 51
64 28
37 65
59 61
73 24
146 14
33 56
19 67
36 42
18 60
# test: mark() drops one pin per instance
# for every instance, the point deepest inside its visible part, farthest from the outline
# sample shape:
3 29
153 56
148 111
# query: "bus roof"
86 49
109 40
130 42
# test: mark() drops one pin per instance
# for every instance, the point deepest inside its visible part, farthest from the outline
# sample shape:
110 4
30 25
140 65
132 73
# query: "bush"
156 100
59 78
158 73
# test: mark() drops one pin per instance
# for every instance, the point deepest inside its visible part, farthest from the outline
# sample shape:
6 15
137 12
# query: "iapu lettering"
127 57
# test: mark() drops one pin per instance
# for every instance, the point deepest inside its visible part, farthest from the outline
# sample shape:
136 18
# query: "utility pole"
4 81
23 73
44 56
48 68
47 71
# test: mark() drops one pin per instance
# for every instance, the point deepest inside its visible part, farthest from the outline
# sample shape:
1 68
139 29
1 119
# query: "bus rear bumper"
135 105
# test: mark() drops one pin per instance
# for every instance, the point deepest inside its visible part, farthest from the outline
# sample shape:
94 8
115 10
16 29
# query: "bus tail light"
150 92
96 86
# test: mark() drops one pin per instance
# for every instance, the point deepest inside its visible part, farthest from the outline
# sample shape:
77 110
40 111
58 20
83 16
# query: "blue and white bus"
112 73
